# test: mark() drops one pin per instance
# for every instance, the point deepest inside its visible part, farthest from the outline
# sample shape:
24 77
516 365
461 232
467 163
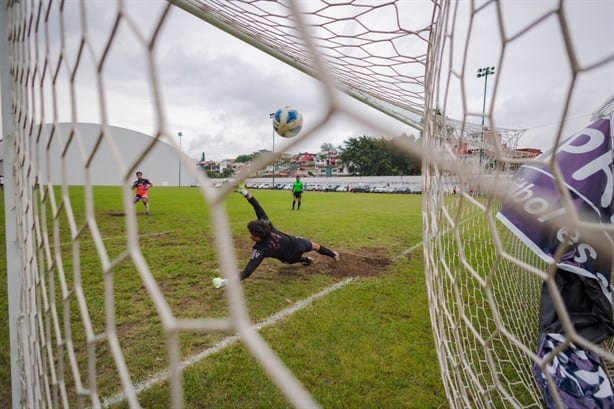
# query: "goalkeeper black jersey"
279 245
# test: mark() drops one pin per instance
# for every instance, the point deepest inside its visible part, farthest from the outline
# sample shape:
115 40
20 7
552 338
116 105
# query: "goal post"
14 265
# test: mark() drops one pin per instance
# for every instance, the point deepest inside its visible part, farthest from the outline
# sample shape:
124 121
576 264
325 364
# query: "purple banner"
534 211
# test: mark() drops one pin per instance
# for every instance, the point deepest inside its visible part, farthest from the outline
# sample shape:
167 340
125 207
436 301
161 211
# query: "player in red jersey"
142 186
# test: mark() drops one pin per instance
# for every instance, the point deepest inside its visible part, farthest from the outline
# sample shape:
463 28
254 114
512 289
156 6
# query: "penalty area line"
226 342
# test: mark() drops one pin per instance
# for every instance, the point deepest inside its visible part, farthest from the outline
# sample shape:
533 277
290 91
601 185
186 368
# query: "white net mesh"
415 61
485 284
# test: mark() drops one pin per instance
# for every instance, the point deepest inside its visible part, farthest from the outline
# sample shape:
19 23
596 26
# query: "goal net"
516 245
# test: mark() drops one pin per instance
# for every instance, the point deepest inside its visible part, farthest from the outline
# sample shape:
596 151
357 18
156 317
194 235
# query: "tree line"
367 156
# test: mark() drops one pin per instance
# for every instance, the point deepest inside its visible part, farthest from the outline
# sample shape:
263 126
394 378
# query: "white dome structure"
82 152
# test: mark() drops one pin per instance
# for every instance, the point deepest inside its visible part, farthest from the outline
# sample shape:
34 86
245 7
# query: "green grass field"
368 344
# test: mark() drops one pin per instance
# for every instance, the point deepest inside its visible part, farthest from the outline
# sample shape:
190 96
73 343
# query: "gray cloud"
219 91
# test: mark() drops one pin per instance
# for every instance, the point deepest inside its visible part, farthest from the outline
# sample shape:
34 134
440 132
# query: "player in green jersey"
297 193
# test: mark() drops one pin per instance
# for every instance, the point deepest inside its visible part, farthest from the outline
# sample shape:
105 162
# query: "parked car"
330 188
360 188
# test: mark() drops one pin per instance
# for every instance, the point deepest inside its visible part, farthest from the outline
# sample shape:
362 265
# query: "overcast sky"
219 91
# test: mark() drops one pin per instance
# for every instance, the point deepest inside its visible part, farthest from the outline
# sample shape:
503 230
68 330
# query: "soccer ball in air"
287 122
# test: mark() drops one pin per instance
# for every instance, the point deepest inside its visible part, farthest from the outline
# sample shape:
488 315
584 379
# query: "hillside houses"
325 163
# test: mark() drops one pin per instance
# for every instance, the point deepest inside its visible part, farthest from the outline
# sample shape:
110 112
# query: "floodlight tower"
271 116
484 72
179 134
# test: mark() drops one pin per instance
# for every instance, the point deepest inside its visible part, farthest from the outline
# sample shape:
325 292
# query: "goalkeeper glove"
241 189
219 282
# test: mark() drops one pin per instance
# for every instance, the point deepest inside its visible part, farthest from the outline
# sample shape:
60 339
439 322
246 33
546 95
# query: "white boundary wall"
344 180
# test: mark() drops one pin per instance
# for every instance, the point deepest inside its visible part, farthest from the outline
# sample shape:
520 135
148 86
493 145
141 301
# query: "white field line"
228 341
408 251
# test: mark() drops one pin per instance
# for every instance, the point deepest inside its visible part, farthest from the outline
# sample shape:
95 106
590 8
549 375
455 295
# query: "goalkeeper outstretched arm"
253 263
260 213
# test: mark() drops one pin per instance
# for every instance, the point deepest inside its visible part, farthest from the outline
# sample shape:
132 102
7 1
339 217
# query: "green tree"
246 158
327 147
369 156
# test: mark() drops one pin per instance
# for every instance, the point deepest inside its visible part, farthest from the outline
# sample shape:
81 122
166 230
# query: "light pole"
484 72
180 135
271 117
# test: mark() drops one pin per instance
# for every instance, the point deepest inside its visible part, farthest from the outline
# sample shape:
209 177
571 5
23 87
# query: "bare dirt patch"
362 262
115 214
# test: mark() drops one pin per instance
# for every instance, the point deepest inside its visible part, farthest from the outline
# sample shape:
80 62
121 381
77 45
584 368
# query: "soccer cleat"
219 282
336 256
308 261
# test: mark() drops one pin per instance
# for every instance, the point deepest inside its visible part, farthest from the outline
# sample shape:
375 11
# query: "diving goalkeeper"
270 242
